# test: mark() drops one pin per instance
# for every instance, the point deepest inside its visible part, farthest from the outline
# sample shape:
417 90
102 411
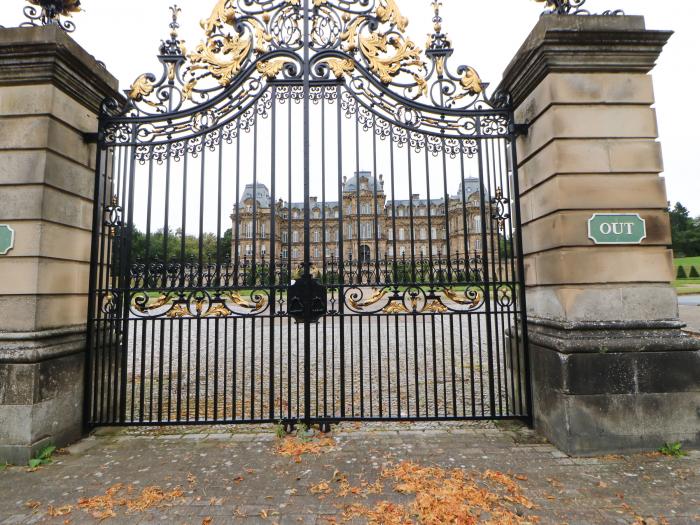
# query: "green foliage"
680 274
155 246
4 466
280 431
43 457
686 232
302 431
674 450
694 274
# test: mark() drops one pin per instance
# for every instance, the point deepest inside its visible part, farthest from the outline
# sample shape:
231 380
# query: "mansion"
373 227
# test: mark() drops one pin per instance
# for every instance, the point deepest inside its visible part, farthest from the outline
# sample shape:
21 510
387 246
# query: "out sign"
617 228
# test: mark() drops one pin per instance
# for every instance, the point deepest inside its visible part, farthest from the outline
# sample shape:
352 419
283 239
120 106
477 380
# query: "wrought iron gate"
306 218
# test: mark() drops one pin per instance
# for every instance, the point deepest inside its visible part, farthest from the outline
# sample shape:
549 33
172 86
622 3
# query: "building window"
295 236
402 234
477 223
477 245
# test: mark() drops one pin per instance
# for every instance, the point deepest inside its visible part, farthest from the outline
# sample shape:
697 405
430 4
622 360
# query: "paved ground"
690 314
237 475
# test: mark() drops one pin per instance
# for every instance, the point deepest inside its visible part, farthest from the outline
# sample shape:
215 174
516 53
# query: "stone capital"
582 44
47 55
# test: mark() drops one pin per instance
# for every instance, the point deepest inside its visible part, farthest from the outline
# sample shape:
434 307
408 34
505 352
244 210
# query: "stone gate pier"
50 93
611 369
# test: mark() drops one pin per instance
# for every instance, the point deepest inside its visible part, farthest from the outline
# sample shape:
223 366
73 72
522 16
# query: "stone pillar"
611 369
50 93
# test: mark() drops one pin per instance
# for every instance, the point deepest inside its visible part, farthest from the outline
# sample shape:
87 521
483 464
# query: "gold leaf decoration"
453 296
349 36
396 307
141 88
435 307
161 301
69 6
340 66
223 13
271 68
223 58
239 301
386 67
219 311
374 299
389 12
471 82
178 311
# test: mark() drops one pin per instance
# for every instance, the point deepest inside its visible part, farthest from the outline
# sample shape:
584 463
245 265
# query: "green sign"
617 228
7 239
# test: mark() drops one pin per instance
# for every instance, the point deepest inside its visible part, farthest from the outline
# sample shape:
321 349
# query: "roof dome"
367 182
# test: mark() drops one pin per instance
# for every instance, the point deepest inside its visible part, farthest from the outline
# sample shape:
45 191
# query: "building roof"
262 194
367 182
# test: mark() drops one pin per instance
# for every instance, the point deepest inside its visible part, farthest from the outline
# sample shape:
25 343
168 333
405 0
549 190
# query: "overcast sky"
125 35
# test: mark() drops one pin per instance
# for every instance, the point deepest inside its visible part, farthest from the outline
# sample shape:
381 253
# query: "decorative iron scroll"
251 45
573 7
51 12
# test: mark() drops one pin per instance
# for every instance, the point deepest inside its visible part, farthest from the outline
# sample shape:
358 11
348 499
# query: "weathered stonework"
50 94
611 368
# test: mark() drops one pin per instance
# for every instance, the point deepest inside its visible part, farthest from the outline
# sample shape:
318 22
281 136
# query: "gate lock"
307 300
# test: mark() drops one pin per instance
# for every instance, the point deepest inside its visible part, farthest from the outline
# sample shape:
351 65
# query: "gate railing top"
356 41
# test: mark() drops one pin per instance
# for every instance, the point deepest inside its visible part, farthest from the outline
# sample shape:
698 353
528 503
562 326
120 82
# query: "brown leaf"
207 520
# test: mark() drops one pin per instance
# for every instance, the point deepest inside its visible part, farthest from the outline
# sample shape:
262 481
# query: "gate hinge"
91 138
519 130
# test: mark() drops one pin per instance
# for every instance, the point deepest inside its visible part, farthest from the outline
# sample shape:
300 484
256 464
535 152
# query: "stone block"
588 122
603 302
594 404
44 132
600 265
41 276
570 228
44 239
46 99
586 89
594 193
563 157
23 313
41 202
55 416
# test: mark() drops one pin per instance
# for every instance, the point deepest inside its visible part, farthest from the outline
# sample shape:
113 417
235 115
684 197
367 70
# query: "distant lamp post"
51 12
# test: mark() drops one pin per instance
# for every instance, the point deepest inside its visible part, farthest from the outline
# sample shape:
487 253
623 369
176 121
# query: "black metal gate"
306 217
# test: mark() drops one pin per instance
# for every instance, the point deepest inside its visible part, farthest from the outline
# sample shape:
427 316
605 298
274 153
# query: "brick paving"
233 475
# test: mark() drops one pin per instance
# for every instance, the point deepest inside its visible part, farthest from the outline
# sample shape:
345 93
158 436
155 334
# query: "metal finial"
50 12
173 46
438 42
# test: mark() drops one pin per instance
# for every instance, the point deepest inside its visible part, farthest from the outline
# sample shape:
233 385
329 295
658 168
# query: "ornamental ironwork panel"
306 216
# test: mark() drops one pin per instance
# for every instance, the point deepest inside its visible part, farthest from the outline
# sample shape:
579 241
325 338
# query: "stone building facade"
373 226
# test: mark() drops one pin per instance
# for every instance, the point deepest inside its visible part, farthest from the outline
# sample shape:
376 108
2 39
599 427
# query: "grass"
687 262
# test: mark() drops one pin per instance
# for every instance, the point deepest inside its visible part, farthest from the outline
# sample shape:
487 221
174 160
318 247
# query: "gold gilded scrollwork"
218 311
239 301
389 12
377 296
435 307
387 67
158 303
471 82
453 296
178 311
68 6
223 57
271 68
223 13
141 88
396 307
340 66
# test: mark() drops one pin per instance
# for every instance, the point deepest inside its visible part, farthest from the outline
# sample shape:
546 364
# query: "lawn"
688 262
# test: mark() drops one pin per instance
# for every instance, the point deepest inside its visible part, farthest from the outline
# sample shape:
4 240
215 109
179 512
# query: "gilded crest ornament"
51 12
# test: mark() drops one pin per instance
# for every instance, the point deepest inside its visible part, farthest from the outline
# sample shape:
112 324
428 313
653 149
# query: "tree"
694 273
686 232
681 273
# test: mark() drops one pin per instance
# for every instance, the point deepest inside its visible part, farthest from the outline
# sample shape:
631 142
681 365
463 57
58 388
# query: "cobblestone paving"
233 475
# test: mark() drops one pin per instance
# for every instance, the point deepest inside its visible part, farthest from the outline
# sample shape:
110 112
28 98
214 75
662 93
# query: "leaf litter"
440 496
124 496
